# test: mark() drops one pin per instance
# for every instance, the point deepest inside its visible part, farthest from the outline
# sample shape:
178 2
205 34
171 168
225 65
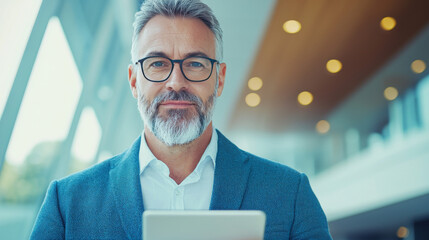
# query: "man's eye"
158 64
196 64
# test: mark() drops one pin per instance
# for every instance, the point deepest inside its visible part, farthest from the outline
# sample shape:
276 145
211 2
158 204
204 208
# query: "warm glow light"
253 99
323 126
334 66
418 66
390 93
292 26
388 23
255 83
402 232
305 98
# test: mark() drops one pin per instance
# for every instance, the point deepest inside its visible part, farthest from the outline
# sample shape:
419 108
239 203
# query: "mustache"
176 96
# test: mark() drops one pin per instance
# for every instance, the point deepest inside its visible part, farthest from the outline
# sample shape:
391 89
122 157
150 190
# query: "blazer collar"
230 181
230 177
127 190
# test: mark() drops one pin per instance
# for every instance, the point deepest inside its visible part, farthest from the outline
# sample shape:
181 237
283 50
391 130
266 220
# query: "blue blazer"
105 201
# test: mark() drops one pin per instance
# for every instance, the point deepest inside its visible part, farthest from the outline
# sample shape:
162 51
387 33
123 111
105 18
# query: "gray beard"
179 126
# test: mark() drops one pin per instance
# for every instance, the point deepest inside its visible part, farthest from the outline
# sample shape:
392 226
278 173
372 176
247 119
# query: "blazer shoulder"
96 173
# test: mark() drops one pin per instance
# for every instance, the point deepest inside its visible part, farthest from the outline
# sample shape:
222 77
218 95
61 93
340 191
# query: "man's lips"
177 104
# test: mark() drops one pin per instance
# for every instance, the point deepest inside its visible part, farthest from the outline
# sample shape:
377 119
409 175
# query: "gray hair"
172 8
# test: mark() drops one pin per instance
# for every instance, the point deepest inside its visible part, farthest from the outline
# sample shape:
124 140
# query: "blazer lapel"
230 177
127 191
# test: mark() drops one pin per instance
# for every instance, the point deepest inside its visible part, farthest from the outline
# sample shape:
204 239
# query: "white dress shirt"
160 192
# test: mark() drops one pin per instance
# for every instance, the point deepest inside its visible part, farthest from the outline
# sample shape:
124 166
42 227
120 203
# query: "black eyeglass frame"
180 62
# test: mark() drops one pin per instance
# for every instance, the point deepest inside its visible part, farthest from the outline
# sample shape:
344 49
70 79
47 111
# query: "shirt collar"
146 156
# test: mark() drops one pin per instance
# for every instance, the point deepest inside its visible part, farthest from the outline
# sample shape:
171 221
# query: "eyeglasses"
159 69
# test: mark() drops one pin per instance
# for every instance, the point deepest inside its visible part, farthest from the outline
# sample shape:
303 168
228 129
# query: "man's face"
177 111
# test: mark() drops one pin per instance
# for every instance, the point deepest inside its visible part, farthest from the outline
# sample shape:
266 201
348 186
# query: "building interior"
338 90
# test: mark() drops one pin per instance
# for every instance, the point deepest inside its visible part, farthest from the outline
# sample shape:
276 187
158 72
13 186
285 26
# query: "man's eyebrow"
196 54
156 53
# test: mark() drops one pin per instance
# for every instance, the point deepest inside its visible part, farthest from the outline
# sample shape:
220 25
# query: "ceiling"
331 29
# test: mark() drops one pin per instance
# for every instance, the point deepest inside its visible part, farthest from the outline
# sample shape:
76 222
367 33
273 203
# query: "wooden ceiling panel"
290 63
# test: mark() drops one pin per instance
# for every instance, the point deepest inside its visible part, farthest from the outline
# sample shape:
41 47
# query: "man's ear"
132 80
222 72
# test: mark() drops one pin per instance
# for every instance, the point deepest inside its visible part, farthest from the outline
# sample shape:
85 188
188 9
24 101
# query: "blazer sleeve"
49 222
310 220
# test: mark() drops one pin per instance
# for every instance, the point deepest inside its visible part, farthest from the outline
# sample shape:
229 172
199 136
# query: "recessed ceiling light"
253 99
390 93
418 66
323 126
388 23
292 26
305 98
334 66
255 83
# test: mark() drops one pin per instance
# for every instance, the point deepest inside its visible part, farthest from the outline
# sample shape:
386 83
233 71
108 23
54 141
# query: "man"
180 161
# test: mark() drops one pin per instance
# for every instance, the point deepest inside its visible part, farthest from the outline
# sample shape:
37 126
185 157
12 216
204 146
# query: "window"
13 39
43 122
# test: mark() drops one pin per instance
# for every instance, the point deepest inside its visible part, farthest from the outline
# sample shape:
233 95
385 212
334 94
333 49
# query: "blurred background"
336 89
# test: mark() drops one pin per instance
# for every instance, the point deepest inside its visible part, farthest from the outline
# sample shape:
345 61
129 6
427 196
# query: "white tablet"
208 225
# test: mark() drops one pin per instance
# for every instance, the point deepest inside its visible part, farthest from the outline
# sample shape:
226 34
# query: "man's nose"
177 80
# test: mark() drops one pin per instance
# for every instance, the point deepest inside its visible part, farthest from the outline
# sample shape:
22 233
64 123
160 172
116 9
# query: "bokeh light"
418 66
388 23
334 66
305 98
390 93
255 83
402 232
323 126
253 99
292 26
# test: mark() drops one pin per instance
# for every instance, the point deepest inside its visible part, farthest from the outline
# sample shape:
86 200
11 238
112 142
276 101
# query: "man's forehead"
177 34
176 23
